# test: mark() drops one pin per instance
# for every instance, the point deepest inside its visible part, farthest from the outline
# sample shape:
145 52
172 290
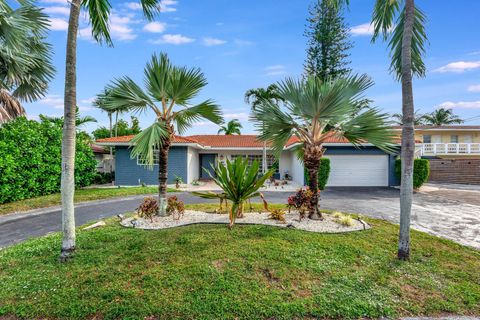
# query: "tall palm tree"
98 14
418 118
173 88
441 117
232 127
25 58
254 97
309 107
407 43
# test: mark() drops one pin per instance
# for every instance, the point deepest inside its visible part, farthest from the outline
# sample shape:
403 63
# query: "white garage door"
358 171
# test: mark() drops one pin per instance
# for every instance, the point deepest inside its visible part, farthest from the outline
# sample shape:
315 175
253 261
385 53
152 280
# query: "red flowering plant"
301 201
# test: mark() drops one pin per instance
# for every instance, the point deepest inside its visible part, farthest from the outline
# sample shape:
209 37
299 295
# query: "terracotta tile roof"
222 141
98 149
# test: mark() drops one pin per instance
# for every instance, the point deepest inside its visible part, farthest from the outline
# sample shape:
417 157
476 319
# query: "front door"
207 162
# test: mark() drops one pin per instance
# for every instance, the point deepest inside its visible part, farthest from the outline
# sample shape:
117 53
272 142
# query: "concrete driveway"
432 213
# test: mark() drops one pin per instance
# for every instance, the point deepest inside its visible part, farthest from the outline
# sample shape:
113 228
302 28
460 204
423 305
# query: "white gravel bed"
328 225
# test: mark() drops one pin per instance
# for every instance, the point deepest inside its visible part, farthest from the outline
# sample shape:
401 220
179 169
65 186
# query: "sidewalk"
449 186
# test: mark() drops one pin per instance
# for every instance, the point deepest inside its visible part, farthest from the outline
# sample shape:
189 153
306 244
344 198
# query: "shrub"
278 214
30 159
421 171
301 201
148 208
104 177
343 219
323 173
175 207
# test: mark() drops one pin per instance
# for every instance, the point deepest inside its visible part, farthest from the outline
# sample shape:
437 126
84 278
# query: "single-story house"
350 166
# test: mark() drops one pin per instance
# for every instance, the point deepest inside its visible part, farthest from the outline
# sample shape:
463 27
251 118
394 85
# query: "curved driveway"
436 215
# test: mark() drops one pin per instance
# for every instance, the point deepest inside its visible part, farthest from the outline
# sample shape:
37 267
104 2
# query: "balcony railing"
449 148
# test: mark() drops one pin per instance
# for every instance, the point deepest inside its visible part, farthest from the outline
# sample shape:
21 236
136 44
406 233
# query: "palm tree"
442 117
232 127
98 14
418 118
26 66
254 97
171 86
407 43
310 106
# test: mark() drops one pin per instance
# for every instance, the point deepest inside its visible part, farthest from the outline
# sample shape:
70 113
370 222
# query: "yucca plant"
239 182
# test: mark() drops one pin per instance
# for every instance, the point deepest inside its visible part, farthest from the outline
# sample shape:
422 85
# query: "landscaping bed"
249 272
331 223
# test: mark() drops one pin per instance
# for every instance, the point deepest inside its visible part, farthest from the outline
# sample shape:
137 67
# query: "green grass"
80 196
250 272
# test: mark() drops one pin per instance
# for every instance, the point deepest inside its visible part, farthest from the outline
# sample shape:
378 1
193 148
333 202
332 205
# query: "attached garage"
358 170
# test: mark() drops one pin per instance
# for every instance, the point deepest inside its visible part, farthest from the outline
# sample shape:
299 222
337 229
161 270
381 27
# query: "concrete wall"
444 136
285 163
461 171
128 173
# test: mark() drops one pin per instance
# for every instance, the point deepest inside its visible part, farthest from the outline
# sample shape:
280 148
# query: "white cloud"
58 24
55 1
460 105
474 88
88 101
275 70
53 100
213 42
176 39
243 43
459 66
219 24
239 116
167 5
57 10
133 5
365 29
122 32
120 29
155 27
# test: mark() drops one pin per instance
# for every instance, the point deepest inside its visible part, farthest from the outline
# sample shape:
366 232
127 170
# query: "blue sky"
246 44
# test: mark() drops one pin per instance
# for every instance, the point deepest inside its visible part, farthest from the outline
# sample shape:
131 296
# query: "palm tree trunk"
116 124
68 139
163 178
312 156
111 131
408 140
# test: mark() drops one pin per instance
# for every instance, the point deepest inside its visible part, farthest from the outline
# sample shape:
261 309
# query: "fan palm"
407 44
239 182
172 87
441 117
25 58
98 15
310 106
254 97
232 127
418 118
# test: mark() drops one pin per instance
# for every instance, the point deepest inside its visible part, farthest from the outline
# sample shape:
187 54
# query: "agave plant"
239 183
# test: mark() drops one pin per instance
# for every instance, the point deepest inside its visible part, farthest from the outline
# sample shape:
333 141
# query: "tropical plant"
277 214
407 43
328 41
418 118
175 207
301 201
421 171
148 208
239 182
174 88
98 15
79 120
26 61
232 127
311 105
121 127
442 116
254 97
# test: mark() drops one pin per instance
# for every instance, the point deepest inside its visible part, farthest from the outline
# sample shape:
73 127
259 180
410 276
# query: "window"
143 162
454 138
427 138
468 138
271 163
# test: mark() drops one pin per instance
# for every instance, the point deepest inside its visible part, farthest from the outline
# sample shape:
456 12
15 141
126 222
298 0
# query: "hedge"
421 171
323 173
30 159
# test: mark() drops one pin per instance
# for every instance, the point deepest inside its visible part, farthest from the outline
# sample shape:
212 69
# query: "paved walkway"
436 215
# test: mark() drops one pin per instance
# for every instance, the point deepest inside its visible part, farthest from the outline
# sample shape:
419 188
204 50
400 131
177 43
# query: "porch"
432 149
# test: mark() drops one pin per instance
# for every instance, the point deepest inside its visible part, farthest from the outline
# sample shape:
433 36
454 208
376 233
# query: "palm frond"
99 12
149 141
124 94
384 13
186 84
151 8
208 110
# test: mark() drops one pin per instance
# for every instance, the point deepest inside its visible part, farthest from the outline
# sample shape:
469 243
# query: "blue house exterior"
128 172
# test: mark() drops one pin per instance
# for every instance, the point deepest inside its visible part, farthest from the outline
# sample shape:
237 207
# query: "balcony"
432 149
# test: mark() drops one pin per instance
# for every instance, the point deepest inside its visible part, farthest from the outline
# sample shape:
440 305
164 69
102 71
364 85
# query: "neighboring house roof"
219 141
98 149
446 127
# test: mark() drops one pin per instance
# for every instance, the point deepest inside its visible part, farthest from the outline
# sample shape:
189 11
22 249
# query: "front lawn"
250 272
80 196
